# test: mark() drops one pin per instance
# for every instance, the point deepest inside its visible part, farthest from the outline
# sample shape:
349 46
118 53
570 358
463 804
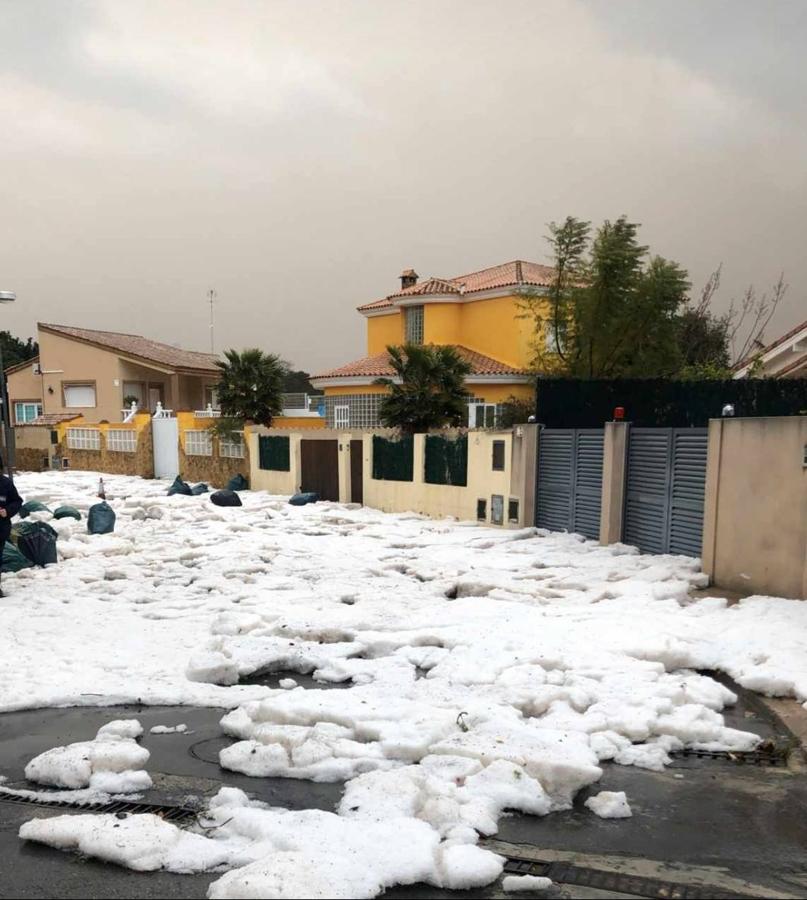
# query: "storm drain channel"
777 755
636 885
176 814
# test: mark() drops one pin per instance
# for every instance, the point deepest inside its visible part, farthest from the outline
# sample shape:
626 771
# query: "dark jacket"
11 502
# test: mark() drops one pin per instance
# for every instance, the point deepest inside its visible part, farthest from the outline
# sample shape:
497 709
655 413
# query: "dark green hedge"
273 453
446 460
578 403
393 460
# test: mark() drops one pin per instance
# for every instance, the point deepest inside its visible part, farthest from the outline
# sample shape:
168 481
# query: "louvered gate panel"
688 490
555 473
647 489
570 480
665 490
588 482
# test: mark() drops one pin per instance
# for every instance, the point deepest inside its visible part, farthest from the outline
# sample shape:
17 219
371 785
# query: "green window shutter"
446 460
393 460
274 453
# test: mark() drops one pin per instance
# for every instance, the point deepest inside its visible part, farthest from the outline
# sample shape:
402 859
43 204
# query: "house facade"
479 314
786 357
98 374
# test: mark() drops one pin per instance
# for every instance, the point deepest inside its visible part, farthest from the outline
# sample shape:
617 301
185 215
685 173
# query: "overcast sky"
298 155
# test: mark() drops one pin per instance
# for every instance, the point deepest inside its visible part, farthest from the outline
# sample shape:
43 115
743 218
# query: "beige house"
97 374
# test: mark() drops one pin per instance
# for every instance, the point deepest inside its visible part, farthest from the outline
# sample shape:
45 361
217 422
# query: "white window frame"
489 414
341 416
231 449
198 443
83 439
24 419
89 385
121 440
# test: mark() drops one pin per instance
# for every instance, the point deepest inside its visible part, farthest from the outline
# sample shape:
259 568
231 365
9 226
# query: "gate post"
614 467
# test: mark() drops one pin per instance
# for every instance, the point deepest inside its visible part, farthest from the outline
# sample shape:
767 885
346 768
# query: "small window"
497 509
498 456
413 317
231 449
26 412
198 443
482 415
553 338
79 396
482 510
341 416
512 511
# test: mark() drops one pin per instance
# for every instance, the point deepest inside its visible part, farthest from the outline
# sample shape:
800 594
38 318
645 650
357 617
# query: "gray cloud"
298 156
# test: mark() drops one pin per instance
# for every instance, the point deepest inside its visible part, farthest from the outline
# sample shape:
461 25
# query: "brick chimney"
409 278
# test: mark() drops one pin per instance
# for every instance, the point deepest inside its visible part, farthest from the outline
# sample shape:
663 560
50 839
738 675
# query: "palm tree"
251 386
429 391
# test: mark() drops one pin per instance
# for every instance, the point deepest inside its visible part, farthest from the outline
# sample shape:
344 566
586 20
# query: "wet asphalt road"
719 821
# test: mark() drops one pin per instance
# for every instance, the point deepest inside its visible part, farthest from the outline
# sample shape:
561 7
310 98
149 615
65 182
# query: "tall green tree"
429 390
612 308
15 350
250 387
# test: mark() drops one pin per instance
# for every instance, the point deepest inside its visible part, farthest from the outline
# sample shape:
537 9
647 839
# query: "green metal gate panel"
665 489
569 484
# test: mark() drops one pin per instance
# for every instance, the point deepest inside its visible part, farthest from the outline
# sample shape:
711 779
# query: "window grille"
198 443
121 440
83 438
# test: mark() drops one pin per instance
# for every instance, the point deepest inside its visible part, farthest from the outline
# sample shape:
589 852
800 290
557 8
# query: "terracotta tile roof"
52 419
518 273
772 346
378 366
140 347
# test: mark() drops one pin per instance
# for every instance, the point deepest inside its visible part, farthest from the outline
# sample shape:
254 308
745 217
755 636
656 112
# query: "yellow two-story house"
479 314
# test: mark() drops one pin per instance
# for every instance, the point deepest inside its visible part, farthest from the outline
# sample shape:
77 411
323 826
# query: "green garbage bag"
179 487
101 519
23 529
13 560
237 483
67 512
31 506
200 488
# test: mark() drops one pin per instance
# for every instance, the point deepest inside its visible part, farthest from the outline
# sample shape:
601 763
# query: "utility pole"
5 413
211 294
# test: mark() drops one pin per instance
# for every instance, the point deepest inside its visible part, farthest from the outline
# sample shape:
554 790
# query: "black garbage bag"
67 512
13 560
179 487
305 497
38 544
24 528
31 506
101 519
237 483
200 488
225 498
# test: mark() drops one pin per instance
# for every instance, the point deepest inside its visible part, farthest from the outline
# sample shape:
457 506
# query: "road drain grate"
176 814
635 885
766 756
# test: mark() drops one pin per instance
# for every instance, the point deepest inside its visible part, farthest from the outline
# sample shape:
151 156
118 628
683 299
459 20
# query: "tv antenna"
211 296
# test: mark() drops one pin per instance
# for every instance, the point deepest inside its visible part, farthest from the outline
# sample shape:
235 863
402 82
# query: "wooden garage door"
356 472
320 468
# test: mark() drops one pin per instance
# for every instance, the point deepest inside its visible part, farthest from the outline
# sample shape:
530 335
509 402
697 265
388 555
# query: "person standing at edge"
10 503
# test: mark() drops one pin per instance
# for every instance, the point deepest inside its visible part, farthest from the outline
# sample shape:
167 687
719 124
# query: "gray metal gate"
569 484
664 493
